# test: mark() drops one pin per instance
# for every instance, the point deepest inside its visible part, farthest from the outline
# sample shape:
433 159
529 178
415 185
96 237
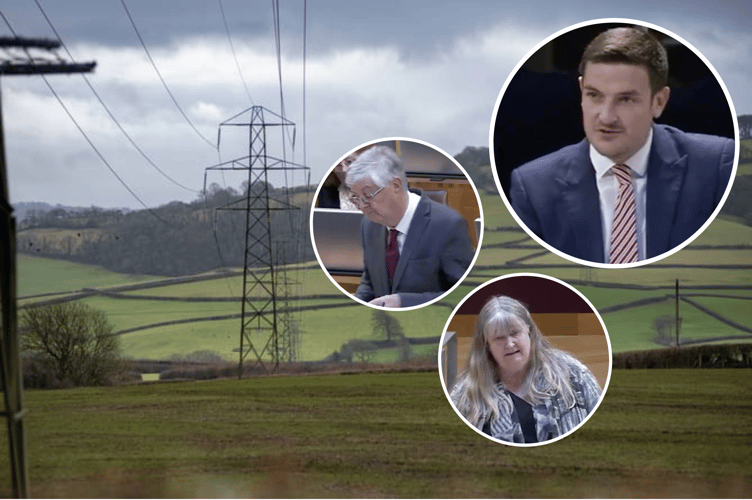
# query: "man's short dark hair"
631 46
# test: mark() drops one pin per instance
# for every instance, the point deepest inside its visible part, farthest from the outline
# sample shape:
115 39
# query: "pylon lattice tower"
267 334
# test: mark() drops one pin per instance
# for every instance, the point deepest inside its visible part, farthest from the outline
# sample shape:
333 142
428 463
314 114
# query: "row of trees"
72 344
172 240
745 126
186 238
84 218
477 162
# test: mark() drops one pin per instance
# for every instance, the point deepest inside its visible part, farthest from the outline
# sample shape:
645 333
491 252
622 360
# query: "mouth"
512 353
609 131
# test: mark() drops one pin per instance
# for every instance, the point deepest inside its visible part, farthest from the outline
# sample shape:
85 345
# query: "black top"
526 418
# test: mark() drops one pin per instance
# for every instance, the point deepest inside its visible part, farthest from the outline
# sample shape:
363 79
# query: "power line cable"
234 55
99 154
109 112
164 83
305 35
278 46
81 130
219 131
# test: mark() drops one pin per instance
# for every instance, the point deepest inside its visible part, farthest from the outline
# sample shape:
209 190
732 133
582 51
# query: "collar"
638 163
412 204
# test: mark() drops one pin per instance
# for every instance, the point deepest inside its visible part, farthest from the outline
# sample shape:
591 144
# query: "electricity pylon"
266 334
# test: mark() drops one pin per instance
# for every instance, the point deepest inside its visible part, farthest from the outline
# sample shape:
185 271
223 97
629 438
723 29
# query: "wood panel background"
580 334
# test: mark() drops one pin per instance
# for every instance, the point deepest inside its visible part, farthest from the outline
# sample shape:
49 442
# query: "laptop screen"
336 234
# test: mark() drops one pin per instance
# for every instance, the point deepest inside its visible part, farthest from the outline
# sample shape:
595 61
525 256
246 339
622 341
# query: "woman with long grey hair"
516 387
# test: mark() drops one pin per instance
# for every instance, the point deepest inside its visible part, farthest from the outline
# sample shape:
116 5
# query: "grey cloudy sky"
429 70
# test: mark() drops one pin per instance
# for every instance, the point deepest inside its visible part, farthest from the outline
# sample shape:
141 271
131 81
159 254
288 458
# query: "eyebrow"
619 94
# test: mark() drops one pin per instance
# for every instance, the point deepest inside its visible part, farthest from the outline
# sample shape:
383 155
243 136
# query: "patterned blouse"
552 417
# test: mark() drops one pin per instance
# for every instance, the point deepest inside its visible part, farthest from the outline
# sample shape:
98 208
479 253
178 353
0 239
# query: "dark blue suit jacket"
436 253
556 196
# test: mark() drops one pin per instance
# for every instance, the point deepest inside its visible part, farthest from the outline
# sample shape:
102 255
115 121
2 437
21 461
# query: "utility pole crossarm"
44 68
19 59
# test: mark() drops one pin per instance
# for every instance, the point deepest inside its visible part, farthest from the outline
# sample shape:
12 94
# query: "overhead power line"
305 49
96 150
109 112
164 83
78 126
234 55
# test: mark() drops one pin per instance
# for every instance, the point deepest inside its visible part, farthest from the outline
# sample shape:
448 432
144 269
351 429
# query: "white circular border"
601 264
605 332
477 247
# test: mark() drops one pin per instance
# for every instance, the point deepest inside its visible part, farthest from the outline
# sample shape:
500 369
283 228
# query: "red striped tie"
624 226
392 254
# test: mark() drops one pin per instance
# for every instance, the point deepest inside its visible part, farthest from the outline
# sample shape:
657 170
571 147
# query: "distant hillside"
477 162
172 240
25 209
182 238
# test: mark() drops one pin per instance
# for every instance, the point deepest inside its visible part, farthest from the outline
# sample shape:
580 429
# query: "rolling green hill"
718 262
39 275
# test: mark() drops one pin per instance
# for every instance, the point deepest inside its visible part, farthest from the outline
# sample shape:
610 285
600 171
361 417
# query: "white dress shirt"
608 190
404 223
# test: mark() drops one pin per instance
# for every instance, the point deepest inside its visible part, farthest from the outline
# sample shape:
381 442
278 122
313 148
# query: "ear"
660 99
579 80
396 184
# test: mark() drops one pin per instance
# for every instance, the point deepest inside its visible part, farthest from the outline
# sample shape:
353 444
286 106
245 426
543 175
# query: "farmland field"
724 243
382 435
38 275
658 433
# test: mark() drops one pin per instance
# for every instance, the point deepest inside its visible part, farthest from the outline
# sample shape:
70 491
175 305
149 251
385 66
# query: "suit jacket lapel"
665 177
379 278
414 234
582 212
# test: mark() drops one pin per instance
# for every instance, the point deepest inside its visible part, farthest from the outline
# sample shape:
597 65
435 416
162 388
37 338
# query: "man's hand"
387 301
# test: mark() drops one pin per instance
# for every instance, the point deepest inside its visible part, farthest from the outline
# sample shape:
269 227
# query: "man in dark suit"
632 190
414 248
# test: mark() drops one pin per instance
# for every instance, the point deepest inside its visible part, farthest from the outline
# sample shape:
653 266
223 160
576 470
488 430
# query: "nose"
509 342
607 113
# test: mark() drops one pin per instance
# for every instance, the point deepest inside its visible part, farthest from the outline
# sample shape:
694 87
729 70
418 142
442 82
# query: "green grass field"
38 275
744 169
658 433
326 330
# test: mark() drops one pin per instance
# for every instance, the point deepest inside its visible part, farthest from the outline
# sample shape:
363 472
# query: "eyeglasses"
359 201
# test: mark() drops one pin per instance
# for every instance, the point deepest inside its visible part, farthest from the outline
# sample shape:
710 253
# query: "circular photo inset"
614 143
525 359
396 223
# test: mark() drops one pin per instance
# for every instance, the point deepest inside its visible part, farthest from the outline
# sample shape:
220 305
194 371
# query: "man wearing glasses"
414 248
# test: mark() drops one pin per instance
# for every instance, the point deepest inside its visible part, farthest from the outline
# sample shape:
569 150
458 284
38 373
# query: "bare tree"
72 340
361 350
385 325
